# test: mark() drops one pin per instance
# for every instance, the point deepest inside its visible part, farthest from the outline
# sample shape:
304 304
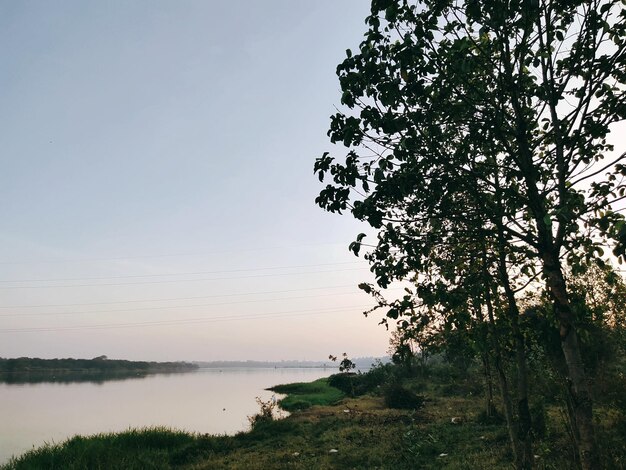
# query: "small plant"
265 414
346 364
345 367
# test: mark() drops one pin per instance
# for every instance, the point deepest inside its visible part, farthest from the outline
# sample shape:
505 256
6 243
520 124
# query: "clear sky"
156 185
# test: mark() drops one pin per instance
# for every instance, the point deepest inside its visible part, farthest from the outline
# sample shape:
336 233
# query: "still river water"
205 401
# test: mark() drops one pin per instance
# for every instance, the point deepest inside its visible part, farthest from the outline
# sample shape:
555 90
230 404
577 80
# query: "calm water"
206 401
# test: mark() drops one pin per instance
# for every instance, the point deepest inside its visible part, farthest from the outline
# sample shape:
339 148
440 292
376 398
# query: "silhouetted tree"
476 120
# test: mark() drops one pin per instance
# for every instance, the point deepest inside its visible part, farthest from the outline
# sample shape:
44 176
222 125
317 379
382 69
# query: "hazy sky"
156 186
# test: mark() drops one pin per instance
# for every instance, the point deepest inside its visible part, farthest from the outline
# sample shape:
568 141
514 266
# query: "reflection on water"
23 370
69 376
207 401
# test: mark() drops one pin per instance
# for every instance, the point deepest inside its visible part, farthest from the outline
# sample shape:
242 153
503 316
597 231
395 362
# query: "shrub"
462 388
344 382
265 414
396 396
353 384
495 418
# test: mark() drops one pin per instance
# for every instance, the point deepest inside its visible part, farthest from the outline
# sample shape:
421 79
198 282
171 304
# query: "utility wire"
174 255
58 286
38 314
181 274
176 298
292 313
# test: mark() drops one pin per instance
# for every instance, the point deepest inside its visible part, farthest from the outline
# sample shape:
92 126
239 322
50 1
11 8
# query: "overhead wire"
37 314
176 298
58 286
177 321
292 313
179 274
170 255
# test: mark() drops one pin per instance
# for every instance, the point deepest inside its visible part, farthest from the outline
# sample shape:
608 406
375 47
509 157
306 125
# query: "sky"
156 184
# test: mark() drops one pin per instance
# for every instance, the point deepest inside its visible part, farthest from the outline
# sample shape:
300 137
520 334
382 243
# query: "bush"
398 397
344 382
354 385
462 388
444 373
265 414
495 418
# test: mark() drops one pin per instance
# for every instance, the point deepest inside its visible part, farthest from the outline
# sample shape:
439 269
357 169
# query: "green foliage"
344 382
398 397
346 364
358 384
156 448
598 297
475 136
265 414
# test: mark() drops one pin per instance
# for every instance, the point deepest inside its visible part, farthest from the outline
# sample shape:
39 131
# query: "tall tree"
507 104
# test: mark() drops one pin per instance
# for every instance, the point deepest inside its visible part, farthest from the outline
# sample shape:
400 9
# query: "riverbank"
443 427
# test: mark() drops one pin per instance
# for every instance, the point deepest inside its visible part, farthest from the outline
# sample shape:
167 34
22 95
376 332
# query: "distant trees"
477 136
27 369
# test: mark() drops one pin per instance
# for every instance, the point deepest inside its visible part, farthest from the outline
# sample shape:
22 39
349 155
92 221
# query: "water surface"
206 401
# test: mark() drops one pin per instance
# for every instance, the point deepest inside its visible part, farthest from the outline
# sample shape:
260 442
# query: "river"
210 401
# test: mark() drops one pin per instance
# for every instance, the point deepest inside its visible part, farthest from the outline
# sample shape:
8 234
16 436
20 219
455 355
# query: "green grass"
364 432
303 395
149 448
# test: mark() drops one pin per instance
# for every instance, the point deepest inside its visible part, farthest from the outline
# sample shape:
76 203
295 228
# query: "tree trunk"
504 388
578 387
489 406
557 362
548 253
524 432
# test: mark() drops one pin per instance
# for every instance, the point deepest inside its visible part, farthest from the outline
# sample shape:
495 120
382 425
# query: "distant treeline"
265 364
26 369
361 363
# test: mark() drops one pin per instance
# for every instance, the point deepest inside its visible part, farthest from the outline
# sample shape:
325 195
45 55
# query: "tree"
470 120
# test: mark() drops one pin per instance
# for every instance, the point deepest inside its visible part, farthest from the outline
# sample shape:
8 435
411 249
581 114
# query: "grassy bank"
329 430
303 395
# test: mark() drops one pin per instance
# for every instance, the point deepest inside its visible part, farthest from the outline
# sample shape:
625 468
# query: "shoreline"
443 427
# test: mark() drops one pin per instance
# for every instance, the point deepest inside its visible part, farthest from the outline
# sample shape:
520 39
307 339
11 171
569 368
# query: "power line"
181 274
177 298
292 313
177 280
171 255
37 314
